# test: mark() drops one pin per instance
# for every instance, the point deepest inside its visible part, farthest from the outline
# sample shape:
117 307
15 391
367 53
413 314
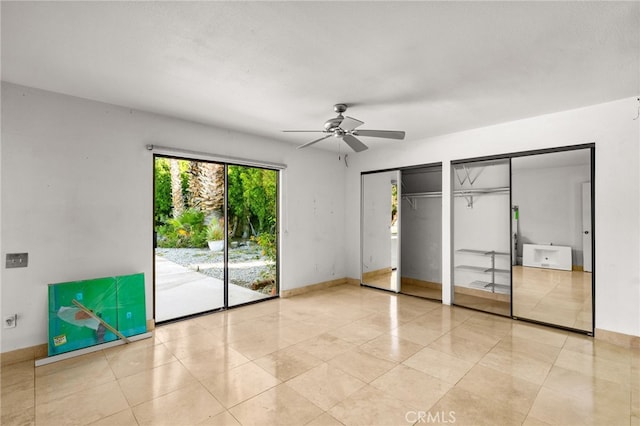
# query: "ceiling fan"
345 128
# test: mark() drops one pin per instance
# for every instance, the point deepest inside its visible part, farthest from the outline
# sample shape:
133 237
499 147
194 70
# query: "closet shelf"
486 285
496 288
411 196
482 269
483 252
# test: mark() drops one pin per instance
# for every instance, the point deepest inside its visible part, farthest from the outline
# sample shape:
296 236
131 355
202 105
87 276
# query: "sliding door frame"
510 156
187 155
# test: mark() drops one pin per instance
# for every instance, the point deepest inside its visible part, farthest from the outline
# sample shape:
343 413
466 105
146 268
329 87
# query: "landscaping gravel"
247 265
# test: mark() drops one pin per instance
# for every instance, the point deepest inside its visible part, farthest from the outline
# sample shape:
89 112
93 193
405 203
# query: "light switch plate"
17 260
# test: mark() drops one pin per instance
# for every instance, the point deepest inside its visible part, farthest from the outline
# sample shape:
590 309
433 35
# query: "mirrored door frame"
481 266
591 147
393 279
397 285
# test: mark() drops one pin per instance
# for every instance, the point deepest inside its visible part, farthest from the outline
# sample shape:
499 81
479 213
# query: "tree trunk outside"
176 188
206 187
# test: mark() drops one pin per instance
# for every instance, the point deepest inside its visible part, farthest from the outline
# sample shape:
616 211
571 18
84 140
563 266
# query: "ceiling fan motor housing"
340 108
333 123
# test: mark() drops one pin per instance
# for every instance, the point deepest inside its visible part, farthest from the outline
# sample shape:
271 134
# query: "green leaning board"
119 301
132 314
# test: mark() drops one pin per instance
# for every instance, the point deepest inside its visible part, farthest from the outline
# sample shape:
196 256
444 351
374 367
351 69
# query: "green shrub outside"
186 231
251 195
163 206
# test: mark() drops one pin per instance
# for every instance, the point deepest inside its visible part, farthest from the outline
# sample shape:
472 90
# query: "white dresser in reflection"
547 256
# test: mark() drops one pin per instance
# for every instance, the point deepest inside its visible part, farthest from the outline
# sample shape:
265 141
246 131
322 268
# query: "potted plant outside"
215 236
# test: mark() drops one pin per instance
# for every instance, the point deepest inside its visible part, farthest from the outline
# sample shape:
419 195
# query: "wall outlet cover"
10 321
17 260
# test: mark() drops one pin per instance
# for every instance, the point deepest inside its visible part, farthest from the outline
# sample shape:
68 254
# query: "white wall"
77 196
617 191
550 205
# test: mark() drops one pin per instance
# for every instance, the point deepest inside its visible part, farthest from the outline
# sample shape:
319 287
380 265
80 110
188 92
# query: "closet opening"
421 236
401 230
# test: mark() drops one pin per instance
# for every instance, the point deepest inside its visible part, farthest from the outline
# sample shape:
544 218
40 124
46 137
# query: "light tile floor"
557 297
346 355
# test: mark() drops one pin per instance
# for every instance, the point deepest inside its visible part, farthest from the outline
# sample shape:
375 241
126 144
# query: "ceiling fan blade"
354 143
389 134
312 142
303 131
349 124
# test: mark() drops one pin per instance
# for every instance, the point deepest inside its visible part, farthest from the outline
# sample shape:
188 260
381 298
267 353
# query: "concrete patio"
181 291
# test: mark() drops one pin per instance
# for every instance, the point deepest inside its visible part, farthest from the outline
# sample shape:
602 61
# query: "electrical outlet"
10 321
17 260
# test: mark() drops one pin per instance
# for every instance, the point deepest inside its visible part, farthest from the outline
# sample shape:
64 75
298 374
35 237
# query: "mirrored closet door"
380 224
481 242
552 274
421 239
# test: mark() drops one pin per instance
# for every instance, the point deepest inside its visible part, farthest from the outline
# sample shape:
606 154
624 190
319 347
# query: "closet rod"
423 195
477 191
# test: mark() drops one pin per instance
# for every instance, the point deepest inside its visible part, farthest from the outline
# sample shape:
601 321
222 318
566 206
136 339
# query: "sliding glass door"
252 228
188 257
215 234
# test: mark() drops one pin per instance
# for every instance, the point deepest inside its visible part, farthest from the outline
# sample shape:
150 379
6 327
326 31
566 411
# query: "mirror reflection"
380 225
482 260
551 233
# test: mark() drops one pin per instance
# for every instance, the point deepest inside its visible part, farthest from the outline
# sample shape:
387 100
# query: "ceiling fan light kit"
344 127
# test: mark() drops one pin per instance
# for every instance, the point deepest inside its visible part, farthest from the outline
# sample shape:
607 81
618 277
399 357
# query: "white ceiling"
428 68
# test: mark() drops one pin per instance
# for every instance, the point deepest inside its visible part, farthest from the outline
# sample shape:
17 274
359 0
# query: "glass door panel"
188 262
252 201
481 240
